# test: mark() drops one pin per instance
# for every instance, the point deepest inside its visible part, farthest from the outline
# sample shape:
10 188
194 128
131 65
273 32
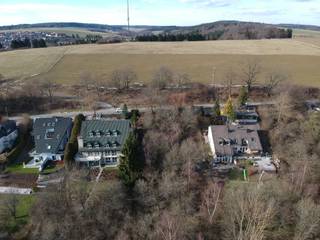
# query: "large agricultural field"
300 60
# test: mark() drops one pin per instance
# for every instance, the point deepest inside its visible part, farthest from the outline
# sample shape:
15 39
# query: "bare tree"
273 80
182 79
230 78
162 77
86 80
247 213
308 220
10 205
250 73
123 77
169 227
48 88
210 201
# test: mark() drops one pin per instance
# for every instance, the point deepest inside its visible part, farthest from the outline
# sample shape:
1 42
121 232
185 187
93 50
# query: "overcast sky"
159 12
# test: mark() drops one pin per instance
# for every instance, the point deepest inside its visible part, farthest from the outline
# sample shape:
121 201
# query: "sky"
159 12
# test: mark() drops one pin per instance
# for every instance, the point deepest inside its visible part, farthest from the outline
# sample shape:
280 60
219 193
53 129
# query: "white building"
8 135
50 137
231 142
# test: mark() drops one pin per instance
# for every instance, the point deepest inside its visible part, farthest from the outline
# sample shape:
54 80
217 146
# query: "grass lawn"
18 168
52 169
25 203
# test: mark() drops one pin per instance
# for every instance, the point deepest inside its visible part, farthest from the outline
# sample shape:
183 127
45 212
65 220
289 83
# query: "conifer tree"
216 108
228 110
131 163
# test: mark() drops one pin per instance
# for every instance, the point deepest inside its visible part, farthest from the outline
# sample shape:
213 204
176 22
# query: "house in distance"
101 142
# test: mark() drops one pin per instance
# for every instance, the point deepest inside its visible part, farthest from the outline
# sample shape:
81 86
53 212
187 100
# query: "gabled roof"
7 128
104 134
48 133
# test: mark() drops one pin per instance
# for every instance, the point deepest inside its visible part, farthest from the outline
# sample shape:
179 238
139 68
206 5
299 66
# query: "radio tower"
128 14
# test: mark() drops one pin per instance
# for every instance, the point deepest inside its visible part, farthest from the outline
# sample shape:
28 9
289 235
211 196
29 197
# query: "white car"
119 110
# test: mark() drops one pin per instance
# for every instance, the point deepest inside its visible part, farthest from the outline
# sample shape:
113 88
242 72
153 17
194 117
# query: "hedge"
71 148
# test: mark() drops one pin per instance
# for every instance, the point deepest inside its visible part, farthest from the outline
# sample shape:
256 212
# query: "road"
109 110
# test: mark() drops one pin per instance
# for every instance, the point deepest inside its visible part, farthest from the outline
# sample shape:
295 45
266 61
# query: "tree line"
27 43
169 37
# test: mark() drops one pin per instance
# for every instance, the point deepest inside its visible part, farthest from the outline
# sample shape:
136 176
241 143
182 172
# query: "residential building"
8 135
231 142
101 142
50 137
247 117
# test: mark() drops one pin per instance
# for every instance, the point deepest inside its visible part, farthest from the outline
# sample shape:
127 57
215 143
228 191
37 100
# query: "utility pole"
128 14
214 69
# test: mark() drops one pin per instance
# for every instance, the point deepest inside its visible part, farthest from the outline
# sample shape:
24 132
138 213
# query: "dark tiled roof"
226 137
104 134
48 133
7 128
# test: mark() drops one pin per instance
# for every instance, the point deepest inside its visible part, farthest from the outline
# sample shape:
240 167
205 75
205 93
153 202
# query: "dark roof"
104 134
226 137
7 128
48 133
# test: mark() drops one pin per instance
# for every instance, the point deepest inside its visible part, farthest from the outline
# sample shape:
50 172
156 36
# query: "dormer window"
96 145
114 144
89 145
98 134
115 133
108 133
49 133
91 134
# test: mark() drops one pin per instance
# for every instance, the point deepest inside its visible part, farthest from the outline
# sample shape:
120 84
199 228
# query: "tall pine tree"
131 163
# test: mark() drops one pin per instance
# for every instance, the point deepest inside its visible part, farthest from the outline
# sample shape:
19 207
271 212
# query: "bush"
72 146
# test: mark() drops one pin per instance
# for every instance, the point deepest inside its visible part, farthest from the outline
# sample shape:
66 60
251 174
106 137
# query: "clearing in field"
299 60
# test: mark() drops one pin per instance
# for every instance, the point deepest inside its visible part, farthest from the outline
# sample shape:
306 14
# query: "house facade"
8 135
231 142
50 137
101 142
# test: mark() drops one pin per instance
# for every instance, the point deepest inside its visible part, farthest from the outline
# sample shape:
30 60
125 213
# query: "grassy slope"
300 60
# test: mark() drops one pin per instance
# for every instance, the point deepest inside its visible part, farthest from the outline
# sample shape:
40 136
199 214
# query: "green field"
298 59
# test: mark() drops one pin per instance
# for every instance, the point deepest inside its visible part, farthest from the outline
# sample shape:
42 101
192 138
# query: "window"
49 133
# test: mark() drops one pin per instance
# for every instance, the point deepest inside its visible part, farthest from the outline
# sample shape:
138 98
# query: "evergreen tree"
125 110
216 108
42 43
229 110
35 43
243 96
131 163
134 117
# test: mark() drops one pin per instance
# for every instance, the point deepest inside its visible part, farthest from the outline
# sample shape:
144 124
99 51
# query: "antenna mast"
128 14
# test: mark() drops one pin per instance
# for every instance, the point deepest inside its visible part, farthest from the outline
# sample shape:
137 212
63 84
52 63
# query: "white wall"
8 141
